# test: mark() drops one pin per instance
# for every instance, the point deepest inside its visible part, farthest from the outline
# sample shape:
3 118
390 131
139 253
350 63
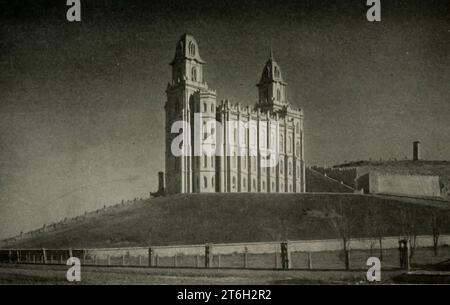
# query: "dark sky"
81 104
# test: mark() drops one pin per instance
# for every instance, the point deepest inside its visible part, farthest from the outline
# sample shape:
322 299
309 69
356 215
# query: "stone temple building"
247 135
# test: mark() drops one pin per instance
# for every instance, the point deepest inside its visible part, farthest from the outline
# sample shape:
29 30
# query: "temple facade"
230 147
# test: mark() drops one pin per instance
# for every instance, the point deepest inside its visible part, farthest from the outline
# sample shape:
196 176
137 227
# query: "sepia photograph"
245 143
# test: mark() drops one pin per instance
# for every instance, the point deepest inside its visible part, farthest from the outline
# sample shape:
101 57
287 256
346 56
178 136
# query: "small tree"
376 225
435 227
409 230
342 220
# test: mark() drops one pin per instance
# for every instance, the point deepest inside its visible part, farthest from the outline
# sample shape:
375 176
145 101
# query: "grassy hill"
318 183
221 218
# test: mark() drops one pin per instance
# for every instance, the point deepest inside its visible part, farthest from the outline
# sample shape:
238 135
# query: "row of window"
244 184
244 164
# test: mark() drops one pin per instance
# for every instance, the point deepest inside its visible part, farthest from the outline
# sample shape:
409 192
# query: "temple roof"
187 48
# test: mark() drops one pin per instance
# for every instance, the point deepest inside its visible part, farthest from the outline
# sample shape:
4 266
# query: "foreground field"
52 274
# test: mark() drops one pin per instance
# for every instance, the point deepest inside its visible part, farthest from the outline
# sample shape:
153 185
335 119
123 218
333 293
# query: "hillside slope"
221 218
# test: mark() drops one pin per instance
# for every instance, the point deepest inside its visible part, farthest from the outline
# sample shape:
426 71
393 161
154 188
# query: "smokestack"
416 152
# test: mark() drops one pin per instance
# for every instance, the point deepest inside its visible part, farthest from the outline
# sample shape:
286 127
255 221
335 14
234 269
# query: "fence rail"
311 254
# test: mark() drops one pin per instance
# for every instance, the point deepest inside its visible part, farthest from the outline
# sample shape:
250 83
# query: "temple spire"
271 54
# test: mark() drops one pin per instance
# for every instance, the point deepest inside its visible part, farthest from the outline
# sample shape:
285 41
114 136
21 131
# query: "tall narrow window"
212 183
290 168
289 148
205 181
234 182
212 108
192 48
278 95
205 161
281 143
194 74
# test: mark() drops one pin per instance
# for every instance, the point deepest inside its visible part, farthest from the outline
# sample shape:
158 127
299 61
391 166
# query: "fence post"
310 264
150 257
44 256
276 257
245 257
285 255
208 255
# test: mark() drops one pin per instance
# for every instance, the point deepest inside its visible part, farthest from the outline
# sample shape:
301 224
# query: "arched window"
278 95
281 143
205 107
212 182
191 48
205 181
212 161
289 148
297 148
244 183
290 168
205 162
264 186
194 74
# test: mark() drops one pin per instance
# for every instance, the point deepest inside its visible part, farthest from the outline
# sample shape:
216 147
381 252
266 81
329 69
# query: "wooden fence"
311 254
